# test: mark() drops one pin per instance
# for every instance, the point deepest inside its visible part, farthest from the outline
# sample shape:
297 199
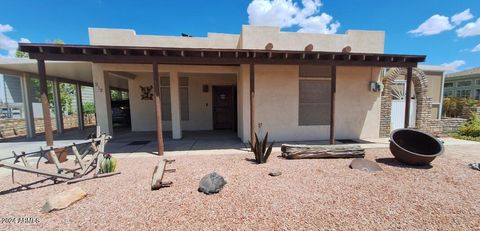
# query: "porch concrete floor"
223 141
192 143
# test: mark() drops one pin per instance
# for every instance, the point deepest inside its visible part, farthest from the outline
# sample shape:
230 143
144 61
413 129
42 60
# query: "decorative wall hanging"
147 92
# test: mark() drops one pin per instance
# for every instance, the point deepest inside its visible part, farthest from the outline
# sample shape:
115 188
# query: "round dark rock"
211 183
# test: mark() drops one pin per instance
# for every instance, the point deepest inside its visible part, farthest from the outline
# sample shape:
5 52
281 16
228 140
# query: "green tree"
88 108
115 95
21 54
58 42
67 92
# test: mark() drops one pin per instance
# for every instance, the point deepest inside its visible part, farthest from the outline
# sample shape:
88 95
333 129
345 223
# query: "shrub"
260 149
471 128
456 107
88 108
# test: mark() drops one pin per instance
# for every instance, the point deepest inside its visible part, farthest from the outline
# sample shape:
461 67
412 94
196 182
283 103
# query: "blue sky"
439 38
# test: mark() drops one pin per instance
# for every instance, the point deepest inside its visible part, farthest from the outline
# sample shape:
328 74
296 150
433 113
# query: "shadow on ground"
395 163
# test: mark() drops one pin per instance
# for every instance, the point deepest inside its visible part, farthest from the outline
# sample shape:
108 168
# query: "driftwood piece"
32 170
158 172
78 157
101 149
92 177
54 158
63 199
321 151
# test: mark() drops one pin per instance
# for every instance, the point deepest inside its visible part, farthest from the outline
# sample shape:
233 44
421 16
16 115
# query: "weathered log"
322 151
63 199
82 178
158 172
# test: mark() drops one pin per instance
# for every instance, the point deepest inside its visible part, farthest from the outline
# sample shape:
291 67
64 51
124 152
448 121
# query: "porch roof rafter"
208 56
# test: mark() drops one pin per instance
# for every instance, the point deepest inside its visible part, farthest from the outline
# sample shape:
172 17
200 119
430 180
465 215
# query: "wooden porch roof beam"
169 55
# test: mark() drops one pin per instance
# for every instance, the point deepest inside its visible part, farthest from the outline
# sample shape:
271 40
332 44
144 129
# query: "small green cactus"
108 164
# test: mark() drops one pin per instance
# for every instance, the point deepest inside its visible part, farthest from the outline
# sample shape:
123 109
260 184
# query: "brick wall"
451 125
17 127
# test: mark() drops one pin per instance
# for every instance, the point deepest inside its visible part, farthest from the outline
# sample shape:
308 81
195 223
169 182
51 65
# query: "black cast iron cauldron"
414 147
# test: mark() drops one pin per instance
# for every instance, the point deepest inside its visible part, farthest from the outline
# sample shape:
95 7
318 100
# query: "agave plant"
259 148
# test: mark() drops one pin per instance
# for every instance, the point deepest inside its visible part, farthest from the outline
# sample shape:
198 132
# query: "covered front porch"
243 62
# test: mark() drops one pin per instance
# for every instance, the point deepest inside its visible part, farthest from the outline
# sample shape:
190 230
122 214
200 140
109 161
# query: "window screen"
314 95
165 96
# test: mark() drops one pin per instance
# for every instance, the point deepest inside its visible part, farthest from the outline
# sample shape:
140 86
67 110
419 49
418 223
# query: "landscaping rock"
63 199
475 166
365 165
275 173
211 183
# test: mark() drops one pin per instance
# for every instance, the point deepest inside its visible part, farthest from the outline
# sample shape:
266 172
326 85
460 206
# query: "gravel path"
310 194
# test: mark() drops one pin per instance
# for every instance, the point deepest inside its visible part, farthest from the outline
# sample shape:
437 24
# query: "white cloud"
476 48
453 66
319 24
461 17
440 23
434 25
8 44
470 29
287 13
24 40
5 28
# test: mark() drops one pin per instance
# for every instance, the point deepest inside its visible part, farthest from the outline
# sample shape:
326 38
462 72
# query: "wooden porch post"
408 97
252 103
333 89
158 109
47 120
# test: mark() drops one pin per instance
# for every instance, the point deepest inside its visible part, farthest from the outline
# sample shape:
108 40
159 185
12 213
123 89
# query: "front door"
223 107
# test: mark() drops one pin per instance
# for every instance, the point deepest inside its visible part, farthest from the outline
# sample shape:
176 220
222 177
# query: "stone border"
424 104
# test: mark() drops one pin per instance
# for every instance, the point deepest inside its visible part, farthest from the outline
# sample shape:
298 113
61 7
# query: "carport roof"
66 71
203 56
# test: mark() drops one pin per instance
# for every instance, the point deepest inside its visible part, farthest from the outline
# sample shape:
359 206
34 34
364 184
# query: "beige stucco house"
296 86
279 88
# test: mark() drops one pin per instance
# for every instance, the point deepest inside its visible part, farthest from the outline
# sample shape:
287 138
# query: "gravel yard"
310 194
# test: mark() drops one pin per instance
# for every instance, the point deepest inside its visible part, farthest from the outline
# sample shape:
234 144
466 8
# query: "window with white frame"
477 94
448 93
463 93
314 95
478 81
464 83
165 98
184 112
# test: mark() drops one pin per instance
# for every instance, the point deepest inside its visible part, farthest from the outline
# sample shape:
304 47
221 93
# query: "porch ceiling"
168 55
66 71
